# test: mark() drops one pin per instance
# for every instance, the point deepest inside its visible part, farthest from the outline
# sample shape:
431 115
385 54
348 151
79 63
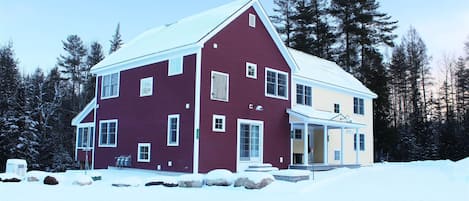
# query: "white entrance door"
250 143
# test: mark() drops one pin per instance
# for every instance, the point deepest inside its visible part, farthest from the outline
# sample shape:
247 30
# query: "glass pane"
271 82
282 85
254 143
104 133
80 137
244 142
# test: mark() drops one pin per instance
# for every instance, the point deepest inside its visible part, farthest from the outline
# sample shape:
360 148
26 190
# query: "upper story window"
361 142
358 106
175 66
251 70
220 86
108 133
276 83
143 152
146 86
85 137
218 123
303 94
336 108
252 20
110 86
297 134
173 130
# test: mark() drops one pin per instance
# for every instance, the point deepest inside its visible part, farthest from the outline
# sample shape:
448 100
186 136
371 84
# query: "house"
220 90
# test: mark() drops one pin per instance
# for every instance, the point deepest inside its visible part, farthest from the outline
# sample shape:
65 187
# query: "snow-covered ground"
415 181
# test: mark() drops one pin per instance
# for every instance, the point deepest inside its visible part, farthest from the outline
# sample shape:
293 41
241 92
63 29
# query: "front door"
250 143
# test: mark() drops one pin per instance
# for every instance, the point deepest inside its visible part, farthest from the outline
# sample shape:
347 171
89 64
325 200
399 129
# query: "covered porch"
320 140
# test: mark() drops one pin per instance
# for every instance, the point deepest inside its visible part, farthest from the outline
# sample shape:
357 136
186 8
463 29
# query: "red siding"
144 119
89 117
237 44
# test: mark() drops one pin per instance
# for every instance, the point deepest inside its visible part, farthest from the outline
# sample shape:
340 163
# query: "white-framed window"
251 70
108 133
303 94
175 66
297 134
110 86
361 142
252 20
337 155
276 84
358 106
146 86
218 123
219 89
143 152
85 137
173 130
336 108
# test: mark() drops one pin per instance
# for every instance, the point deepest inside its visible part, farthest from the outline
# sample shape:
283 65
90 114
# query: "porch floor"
321 166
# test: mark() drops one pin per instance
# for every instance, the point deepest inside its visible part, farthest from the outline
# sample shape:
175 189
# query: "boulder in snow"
219 177
83 180
191 180
127 182
9 177
254 180
50 180
32 179
167 181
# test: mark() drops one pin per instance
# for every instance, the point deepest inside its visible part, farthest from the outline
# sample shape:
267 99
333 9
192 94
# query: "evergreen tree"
283 20
116 41
95 56
302 18
322 31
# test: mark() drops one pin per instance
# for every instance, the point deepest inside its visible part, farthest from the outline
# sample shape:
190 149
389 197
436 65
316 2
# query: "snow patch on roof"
327 73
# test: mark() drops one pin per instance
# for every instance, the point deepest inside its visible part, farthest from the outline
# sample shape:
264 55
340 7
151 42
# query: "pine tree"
283 20
116 41
95 56
322 31
302 18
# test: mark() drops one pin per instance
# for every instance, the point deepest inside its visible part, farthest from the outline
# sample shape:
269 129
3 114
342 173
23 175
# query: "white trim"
115 136
254 66
304 94
172 62
198 69
252 20
276 84
168 130
227 86
261 142
325 145
84 112
146 59
138 152
143 84
333 87
214 118
90 127
95 108
102 86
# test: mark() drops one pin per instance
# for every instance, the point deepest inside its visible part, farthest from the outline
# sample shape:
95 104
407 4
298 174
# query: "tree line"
36 109
415 118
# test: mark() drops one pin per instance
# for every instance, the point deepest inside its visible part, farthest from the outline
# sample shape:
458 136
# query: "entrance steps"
264 167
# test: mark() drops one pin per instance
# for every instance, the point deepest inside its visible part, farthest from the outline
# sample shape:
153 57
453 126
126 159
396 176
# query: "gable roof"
84 112
188 33
327 73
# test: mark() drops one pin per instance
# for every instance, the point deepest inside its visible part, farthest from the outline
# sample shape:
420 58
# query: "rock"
49 180
11 180
191 180
127 182
32 179
170 185
167 181
154 183
121 185
254 180
83 180
220 177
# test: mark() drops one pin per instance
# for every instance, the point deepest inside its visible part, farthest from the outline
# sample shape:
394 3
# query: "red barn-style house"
208 91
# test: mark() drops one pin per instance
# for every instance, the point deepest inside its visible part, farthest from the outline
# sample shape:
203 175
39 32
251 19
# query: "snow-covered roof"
183 33
327 73
323 117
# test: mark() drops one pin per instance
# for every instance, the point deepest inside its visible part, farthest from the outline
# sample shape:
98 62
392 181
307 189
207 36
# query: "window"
143 152
298 134
220 86
173 130
358 106
336 155
85 137
175 66
218 123
303 94
276 84
251 70
252 20
249 142
362 142
108 133
146 86
336 108
110 86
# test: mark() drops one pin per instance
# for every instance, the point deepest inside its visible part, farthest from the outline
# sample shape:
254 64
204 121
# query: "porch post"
305 144
357 145
291 144
325 145
342 145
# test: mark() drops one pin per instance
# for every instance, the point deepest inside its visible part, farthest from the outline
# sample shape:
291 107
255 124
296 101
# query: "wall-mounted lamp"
257 107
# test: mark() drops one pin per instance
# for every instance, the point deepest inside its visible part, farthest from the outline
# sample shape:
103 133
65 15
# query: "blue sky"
38 27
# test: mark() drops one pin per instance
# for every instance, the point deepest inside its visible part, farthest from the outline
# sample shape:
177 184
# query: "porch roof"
323 118
82 115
